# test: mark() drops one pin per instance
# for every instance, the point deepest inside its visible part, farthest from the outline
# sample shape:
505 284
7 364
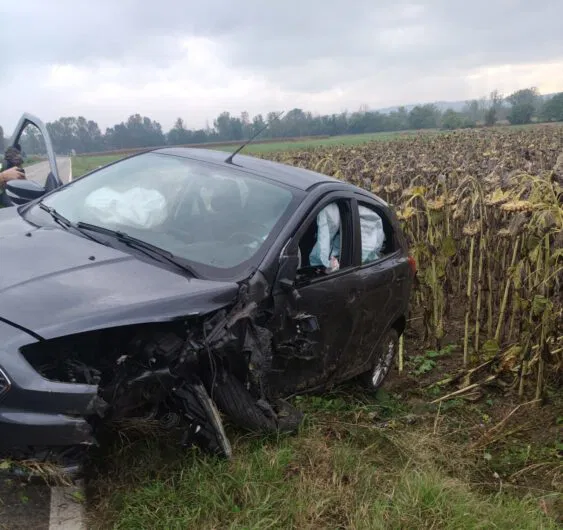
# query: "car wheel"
384 362
236 402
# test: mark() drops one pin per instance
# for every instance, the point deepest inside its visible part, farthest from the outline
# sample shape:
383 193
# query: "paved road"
24 506
38 507
39 171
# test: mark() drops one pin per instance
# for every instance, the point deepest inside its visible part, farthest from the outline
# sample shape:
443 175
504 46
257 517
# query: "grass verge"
389 461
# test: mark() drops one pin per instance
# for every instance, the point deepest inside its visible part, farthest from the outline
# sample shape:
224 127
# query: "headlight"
4 383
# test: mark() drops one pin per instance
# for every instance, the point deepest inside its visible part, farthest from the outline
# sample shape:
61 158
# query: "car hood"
53 283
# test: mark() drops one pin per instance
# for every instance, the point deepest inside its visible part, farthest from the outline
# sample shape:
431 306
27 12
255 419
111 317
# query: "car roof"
303 179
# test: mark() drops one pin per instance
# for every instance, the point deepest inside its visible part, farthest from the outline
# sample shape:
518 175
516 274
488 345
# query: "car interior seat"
227 210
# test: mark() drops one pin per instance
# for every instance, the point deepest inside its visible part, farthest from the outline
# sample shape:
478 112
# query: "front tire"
240 407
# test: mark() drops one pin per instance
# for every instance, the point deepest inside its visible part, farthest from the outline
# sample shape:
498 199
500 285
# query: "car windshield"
206 214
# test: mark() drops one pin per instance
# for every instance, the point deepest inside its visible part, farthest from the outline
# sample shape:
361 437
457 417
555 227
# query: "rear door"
31 138
382 274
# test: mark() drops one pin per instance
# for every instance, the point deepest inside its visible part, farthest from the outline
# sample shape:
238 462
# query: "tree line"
80 135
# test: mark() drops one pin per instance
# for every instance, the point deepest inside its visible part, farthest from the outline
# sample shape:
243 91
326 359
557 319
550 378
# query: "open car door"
31 148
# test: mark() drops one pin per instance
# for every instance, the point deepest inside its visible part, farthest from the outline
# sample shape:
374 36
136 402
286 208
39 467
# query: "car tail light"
412 263
4 383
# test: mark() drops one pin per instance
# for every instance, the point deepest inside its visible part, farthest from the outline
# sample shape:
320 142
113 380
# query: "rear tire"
374 378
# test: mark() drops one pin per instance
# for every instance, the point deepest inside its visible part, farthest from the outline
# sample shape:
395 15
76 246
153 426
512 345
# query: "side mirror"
21 191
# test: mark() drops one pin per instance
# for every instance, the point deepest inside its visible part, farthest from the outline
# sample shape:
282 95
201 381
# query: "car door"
382 272
31 138
317 314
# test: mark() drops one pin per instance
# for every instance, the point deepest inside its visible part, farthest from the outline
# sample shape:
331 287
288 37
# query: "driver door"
317 309
31 148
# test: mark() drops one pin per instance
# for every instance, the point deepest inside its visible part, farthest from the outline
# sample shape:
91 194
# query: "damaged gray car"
180 287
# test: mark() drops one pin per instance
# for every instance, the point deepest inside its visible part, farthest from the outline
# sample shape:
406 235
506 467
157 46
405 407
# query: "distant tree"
222 124
246 124
88 136
257 124
473 110
552 109
398 120
295 123
424 117
367 122
275 128
228 127
32 141
494 106
179 134
455 120
524 104
201 136
62 133
2 142
78 134
138 131
237 129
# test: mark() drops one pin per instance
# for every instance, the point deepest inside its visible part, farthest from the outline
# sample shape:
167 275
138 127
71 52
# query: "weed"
423 364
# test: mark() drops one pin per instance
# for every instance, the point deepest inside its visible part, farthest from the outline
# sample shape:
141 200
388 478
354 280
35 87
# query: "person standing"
13 171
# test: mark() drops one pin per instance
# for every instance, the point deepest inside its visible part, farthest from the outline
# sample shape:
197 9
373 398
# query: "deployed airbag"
328 237
373 235
140 207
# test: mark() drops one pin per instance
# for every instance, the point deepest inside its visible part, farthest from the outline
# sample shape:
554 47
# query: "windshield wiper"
66 223
138 244
57 217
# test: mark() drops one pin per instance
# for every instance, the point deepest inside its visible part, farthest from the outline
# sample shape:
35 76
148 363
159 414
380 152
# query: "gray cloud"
375 50
440 37
267 36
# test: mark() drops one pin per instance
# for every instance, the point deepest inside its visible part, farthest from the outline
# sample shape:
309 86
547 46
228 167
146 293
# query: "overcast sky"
107 59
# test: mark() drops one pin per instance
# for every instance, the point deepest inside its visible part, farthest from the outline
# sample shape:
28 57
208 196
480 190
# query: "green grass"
357 462
346 140
84 164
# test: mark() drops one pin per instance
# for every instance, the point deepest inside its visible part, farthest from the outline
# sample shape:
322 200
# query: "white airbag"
139 207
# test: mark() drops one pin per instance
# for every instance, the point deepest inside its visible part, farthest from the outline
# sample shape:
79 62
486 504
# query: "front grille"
4 383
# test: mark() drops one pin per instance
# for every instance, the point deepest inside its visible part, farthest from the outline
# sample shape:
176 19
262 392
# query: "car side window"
324 247
376 234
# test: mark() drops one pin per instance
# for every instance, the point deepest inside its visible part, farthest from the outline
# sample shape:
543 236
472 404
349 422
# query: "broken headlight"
4 383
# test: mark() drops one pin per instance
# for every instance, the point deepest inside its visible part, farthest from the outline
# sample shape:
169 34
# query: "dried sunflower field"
483 211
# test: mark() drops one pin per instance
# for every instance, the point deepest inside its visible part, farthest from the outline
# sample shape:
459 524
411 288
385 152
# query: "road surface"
38 507
28 506
39 171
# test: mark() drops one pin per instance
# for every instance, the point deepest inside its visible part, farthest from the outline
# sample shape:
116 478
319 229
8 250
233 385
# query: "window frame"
388 228
349 222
